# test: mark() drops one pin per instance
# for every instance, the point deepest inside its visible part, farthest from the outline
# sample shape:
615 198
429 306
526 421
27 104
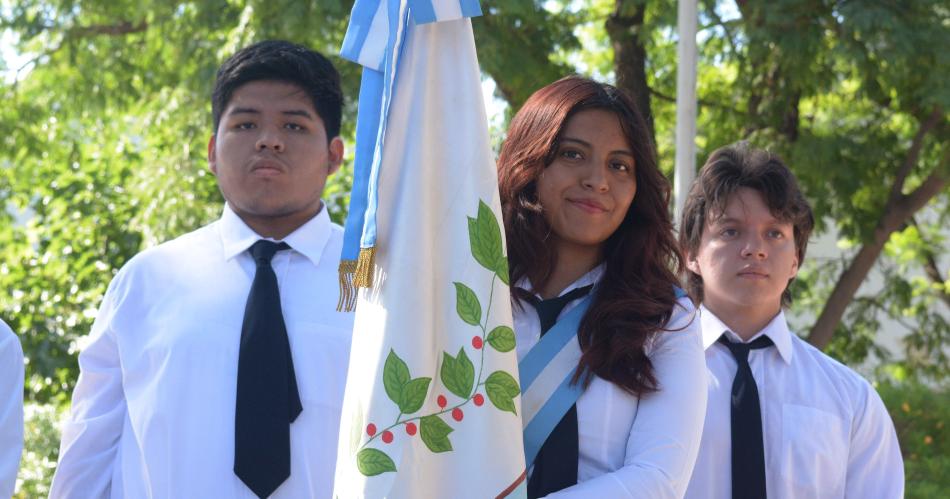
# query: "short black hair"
286 62
727 170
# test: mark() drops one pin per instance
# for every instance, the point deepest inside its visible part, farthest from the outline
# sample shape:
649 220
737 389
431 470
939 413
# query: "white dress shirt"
11 409
825 430
631 447
153 411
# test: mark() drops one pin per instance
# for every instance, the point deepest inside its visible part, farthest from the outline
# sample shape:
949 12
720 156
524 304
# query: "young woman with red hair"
586 212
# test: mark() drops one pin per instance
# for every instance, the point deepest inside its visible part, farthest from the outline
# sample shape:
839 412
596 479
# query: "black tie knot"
548 310
263 251
741 350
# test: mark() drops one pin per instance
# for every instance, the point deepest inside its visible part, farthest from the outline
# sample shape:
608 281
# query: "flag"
432 404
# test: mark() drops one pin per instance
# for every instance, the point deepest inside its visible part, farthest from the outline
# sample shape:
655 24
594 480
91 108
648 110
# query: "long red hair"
636 296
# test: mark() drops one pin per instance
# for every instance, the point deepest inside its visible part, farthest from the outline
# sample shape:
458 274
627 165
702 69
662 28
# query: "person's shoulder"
842 379
168 256
9 342
183 246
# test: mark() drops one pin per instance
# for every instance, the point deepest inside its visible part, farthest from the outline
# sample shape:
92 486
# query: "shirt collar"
591 277
309 239
777 330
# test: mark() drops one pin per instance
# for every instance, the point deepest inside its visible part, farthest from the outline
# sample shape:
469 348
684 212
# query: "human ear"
692 263
334 155
212 159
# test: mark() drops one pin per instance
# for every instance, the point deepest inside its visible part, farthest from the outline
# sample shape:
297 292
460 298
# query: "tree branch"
912 156
895 214
931 269
701 102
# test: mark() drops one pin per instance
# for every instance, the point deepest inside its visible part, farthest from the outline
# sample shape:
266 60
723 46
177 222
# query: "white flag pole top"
432 402
685 106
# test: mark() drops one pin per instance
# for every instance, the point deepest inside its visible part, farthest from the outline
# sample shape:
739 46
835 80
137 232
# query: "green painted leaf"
501 270
395 376
502 338
502 389
435 434
484 236
372 462
458 374
466 303
414 395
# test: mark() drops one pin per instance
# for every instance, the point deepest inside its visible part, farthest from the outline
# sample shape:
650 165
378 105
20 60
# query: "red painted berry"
479 399
477 342
371 429
411 429
441 401
387 436
457 414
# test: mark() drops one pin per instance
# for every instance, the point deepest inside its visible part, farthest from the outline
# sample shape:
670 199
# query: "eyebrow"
290 112
587 144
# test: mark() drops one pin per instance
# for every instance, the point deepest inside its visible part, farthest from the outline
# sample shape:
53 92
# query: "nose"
269 139
754 247
595 178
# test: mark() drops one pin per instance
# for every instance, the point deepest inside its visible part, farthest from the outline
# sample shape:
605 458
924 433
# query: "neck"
277 227
572 262
746 322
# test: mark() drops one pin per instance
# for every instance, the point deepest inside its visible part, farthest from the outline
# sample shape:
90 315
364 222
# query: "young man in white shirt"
783 419
216 364
11 408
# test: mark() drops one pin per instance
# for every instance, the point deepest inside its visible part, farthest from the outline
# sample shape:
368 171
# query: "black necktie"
555 467
748 452
267 398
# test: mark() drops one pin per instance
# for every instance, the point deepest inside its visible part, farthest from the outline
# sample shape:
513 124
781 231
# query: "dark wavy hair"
636 295
728 169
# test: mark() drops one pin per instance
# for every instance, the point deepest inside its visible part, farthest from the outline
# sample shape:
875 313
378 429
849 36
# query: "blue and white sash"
546 372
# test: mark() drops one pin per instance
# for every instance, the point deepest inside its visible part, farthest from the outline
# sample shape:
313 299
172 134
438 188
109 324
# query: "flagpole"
685 105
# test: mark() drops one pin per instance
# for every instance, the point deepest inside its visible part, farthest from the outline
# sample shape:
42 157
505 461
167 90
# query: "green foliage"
40 449
104 136
921 416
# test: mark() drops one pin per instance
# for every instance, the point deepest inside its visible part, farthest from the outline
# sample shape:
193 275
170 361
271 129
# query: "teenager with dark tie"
587 222
216 364
784 420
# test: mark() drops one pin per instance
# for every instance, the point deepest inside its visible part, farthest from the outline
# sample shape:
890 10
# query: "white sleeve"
11 409
875 465
91 433
664 439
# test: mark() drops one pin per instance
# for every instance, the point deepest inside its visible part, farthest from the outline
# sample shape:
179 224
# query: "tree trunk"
624 28
898 211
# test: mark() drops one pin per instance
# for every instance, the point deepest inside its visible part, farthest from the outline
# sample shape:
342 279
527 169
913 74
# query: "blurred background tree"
107 117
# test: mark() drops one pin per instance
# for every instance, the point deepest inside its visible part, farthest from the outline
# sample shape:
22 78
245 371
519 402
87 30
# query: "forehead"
267 95
745 206
596 126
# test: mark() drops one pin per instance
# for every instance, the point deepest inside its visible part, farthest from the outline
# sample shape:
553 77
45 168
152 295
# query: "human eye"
295 127
775 234
621 166
571 154
245 125
728 232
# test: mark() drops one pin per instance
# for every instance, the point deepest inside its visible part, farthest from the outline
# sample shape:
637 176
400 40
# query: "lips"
588 205
753 273
267 167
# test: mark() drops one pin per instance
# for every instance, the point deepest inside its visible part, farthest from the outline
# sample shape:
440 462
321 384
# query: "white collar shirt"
630 447
153 411
826 432
11 409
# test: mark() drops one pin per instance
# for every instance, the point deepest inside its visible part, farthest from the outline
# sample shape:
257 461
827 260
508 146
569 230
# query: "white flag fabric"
432 404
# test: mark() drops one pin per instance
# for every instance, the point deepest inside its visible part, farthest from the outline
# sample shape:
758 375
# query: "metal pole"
685 106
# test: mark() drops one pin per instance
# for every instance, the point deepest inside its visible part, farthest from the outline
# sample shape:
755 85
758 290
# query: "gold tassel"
364 268
347 300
